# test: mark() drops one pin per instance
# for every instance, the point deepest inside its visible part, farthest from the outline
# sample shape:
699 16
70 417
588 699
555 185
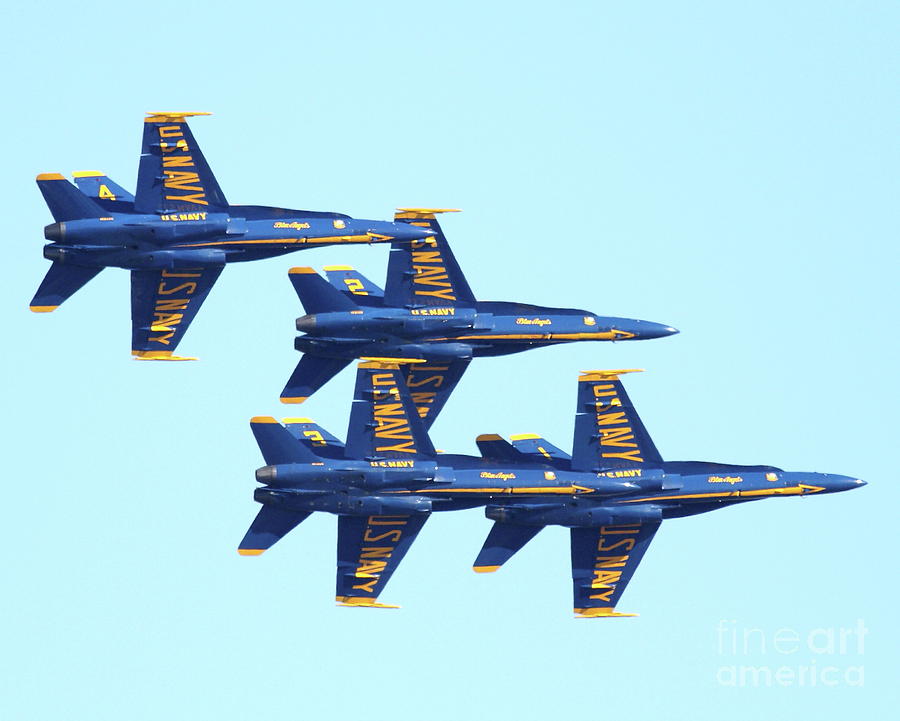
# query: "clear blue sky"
729 168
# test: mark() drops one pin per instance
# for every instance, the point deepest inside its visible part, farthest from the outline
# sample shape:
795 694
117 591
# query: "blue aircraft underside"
427 312
612 492
179 226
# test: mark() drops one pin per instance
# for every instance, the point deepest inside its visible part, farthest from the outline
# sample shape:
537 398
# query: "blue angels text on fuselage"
612 492
175 234
427 312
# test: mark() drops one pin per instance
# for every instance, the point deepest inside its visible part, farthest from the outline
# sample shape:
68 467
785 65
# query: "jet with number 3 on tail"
175 234
612 492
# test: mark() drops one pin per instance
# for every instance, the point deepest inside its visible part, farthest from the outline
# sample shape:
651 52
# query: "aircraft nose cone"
835 483
306 323
407 232
646 330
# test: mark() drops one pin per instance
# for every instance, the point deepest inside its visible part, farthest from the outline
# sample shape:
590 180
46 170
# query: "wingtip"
301 270
485 569
605 375
601 613
42 308
251 551
293 399
160 355
361 602
263 419
50 176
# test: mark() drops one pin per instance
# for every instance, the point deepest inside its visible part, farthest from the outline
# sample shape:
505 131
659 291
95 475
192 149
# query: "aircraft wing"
603 561
609 432
173 174
430 385
369 550
384 422
163 304
424 272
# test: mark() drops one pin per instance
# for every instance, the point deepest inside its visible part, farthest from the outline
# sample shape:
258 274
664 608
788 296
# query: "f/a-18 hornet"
612 492
175 234
428 313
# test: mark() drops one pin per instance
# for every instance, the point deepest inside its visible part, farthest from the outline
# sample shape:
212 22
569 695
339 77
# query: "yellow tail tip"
88 174
251 551
485 569
42 308
297 420
294 399
50 176
304 270
263 419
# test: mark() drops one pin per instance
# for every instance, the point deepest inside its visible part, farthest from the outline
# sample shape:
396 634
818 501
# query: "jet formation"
427 314
414 340
612 492
175 234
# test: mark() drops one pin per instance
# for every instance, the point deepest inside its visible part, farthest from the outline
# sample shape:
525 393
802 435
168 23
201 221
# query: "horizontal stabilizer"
277 444
537 448
102 190
502 543
496 448
65 201
312 372
354 285
60 283
318 295
369 550
270 526
314 437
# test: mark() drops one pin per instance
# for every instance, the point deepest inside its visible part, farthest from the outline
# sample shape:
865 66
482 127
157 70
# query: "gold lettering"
188 288
391 535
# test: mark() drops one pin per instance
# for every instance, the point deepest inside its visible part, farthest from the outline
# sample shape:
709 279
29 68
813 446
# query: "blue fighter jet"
427 313
175 234
612 492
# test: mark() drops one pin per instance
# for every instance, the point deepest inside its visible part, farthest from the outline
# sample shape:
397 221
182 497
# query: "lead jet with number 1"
175 234
612 493
427 313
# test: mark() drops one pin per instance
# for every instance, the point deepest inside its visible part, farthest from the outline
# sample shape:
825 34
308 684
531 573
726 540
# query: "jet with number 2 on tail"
427 313
612 492
175 234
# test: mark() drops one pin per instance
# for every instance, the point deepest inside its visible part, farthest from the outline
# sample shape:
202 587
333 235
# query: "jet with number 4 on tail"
612 492
426 313
175 234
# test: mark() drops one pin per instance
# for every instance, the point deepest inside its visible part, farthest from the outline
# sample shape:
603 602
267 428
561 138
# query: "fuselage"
192 239
539 494
456 332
